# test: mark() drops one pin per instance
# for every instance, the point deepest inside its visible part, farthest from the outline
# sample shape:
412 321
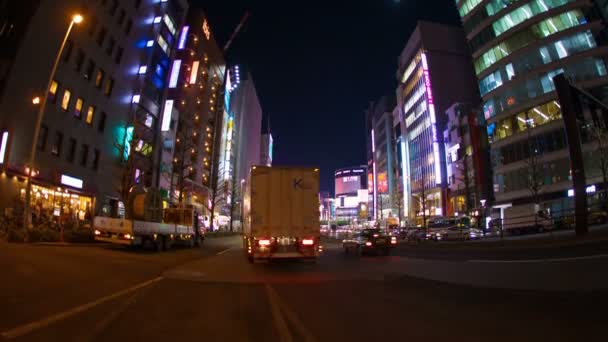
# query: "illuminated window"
65 102
163 44
169 22
78 107
90 115
53 91
149 121
99 78
525 37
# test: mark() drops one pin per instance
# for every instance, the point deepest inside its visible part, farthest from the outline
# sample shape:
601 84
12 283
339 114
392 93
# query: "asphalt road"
104 293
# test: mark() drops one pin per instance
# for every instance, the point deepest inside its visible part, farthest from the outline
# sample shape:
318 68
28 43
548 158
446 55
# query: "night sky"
318 64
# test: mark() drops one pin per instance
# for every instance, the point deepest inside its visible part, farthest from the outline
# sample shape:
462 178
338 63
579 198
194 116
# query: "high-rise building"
248 111
248 122
434 72
99 132
267 148
381 159
517 49
189 117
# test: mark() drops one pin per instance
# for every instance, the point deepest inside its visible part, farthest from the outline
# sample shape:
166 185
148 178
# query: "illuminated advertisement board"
382 183
348 185
370 182
350 181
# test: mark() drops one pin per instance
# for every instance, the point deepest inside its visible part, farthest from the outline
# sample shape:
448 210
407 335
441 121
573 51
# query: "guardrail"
547 221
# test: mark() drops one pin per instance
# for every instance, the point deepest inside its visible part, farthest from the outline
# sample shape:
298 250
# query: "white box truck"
281 211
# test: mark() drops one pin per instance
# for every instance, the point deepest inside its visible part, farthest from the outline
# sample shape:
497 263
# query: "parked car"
369 241
598 217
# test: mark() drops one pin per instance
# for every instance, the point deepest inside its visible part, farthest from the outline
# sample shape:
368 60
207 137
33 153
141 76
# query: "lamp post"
76 19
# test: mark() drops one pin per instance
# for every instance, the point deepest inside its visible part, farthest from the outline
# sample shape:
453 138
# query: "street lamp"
76 19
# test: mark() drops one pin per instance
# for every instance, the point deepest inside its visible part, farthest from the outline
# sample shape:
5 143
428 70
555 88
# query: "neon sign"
432 114
183 37
206 29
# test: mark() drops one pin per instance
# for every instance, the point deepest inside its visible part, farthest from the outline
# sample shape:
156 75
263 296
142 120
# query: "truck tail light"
97 232
264 242
308 242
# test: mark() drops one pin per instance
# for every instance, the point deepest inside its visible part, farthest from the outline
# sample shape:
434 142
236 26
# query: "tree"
381 206
235 196
534 168
422 195
184 158
398 202
462 163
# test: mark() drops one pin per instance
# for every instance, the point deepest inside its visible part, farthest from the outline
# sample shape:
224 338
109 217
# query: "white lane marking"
279 320
224 251
30 327
293 318
532 261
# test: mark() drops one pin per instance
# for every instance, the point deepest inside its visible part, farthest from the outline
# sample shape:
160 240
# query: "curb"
68 244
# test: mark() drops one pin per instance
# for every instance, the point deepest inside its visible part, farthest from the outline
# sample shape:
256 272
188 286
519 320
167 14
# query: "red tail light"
368 243
308 242
393 240
264 242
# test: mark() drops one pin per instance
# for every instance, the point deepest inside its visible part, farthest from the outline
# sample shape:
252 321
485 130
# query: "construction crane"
236 31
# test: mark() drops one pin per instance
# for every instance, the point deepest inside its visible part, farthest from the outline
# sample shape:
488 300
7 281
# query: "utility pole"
572 114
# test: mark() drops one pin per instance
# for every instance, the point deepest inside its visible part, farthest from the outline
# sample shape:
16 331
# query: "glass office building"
517 49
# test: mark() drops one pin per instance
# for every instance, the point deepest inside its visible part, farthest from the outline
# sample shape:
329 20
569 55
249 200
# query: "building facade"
99 133
189 118
517 49
248 113
247 109
267 149
467 160
384 201
352 196
434 72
